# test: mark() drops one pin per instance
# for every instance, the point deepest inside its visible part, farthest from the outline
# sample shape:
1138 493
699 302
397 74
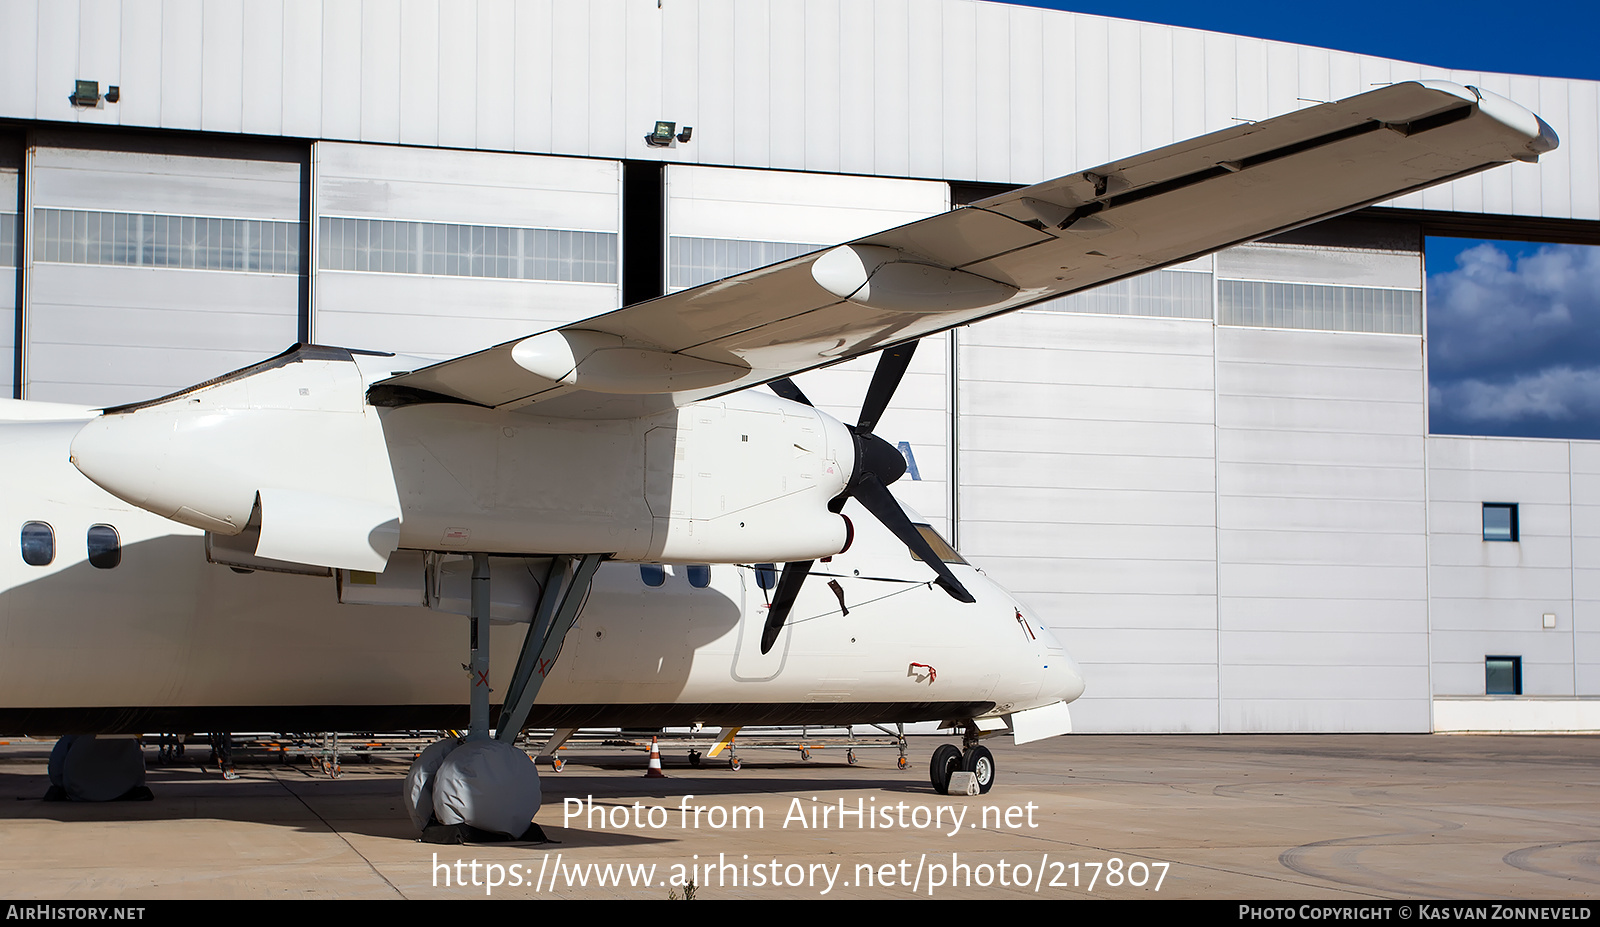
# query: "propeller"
877 465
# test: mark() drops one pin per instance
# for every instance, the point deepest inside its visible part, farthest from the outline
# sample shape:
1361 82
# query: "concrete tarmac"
1217 817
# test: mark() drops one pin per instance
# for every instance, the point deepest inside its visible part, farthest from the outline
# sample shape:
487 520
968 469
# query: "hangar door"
155 265
10 259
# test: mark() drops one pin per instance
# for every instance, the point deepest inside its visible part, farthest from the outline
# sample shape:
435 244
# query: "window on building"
75 236
1169 294
438 249
105 548
653 574
1500 521
1502 675
1319 307
38 544
693 261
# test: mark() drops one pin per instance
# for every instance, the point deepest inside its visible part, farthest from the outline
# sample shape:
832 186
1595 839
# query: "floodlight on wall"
113 93
85 93
662 136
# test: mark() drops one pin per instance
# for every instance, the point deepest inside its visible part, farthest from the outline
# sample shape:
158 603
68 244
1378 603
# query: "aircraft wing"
1072 233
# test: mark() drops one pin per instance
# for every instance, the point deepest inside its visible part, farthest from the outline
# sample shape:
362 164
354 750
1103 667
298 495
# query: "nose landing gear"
980 762
972 757
946 760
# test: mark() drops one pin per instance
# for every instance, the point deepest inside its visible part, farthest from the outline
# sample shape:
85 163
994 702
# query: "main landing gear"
486 788
972 757
90 768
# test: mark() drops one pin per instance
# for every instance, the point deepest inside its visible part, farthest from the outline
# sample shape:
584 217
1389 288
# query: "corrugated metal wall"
1489 597
942 89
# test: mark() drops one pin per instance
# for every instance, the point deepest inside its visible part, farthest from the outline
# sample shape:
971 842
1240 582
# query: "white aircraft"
628 438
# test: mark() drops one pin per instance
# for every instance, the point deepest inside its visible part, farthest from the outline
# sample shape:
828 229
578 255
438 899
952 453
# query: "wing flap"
1071 233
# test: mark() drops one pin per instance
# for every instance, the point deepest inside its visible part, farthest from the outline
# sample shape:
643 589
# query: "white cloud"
1556 394
1514 343
1493 317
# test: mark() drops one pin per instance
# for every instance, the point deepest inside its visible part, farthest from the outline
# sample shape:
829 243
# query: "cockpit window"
940 546
766 575
653 574
699 575
105 548
38 544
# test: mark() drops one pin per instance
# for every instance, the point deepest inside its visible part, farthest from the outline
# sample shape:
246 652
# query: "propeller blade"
794 573
892 364
786 389
875 498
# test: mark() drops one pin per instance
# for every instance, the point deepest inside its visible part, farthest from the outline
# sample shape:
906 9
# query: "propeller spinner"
877 465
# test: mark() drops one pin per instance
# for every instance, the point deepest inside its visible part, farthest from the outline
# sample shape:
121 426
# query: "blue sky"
1513 327
1471 34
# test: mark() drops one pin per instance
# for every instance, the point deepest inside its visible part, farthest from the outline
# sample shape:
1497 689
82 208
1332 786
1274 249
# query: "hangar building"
1215 480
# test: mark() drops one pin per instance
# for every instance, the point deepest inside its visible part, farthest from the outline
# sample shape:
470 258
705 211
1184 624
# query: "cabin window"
652 573
105 547
699 575
38 544
766 575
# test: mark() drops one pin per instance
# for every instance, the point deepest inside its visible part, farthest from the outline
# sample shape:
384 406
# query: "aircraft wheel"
980 762
805 753
733 763
694 758
902 762
850 757
557 764
946 760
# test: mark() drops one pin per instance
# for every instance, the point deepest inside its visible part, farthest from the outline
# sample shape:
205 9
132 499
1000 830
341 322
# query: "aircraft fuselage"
164 640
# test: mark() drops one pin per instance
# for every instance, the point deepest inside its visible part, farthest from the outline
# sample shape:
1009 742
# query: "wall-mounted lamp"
113 93
85 93
663 136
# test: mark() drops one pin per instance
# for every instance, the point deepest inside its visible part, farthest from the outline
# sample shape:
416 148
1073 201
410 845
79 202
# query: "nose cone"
1062 678
121 455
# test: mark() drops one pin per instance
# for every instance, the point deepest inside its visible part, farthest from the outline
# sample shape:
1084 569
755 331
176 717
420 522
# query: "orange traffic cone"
654 772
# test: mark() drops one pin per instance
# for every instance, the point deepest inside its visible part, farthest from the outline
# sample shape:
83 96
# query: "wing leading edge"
1036 243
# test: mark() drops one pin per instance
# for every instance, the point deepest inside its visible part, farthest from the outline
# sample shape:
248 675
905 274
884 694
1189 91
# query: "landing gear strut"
486 788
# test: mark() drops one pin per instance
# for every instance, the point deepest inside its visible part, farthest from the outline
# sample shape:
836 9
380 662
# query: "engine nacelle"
742 479
289 460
